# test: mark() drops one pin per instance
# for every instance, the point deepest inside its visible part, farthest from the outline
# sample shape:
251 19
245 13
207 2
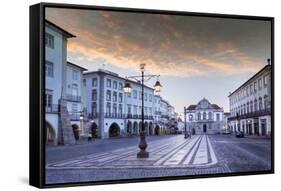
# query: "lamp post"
185 133
81 124
190 119
128 89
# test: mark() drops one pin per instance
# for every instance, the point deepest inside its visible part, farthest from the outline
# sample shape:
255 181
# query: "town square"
165 102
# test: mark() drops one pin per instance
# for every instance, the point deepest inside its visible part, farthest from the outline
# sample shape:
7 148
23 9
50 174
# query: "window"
114 96
251 106
145 110
94 108
129 109
135 109
199 116
140 110
48 98
150 97
140 95
145 96
49 40
251 89
217 117
108 95
204 116
260 83
135 94
114 85
94 95
260 103
150 111
49 69
120 98
255 86
247 90
256 105
265 81
74 74
108 83
94 82
120 109
108 108
265 102
120 86
74 108
84 82
74 89
115 109
210 115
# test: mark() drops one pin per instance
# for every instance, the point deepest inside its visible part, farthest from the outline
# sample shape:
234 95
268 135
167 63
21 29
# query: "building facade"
204 118
250 105
114 113
75 97
55 77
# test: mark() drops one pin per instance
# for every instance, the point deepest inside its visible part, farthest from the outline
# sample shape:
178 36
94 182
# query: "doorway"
204 128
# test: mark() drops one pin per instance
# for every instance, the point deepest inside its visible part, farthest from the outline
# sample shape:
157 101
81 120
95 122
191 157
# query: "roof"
215 106
75 65
106 72
191 107
268 66
66 33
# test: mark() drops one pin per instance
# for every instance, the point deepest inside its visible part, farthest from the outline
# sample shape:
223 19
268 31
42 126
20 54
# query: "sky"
195 57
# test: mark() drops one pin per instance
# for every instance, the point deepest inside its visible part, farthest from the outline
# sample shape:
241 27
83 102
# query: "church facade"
204 118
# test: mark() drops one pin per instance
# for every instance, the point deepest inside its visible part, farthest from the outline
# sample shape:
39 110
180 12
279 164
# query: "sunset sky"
196 56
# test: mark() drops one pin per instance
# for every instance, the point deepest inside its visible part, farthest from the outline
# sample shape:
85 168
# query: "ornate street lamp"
128 89
157 86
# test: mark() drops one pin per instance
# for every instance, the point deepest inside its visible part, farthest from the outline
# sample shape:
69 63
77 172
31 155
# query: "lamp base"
143 154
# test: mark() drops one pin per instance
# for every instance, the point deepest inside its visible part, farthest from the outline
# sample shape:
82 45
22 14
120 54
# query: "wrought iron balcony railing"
73 98
251 114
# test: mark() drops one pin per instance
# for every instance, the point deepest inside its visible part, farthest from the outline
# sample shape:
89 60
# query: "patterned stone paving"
195 152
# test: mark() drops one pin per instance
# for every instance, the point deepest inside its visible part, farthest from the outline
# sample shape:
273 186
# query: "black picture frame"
37 89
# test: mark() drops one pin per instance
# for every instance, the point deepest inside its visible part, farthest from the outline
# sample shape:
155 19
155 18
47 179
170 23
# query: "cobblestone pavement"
169 156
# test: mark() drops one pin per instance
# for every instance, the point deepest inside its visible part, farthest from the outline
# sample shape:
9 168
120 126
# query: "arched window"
199 116
210 115
204 116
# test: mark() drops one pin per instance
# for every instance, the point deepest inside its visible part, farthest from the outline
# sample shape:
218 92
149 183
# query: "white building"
112 112
75 95
55 76
250 105
204 118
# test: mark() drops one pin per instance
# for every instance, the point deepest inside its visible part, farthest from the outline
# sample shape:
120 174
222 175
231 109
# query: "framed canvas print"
130 95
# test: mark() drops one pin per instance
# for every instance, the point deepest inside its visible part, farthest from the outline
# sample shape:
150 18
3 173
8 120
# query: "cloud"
169 45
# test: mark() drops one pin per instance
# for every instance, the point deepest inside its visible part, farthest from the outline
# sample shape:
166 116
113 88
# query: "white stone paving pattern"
197 151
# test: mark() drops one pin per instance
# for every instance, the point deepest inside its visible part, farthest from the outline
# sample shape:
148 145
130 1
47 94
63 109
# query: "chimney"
268 61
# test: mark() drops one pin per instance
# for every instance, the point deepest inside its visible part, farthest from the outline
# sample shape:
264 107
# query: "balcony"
74 98
93 115
251 114
52 108
165 116
131 116
114 115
